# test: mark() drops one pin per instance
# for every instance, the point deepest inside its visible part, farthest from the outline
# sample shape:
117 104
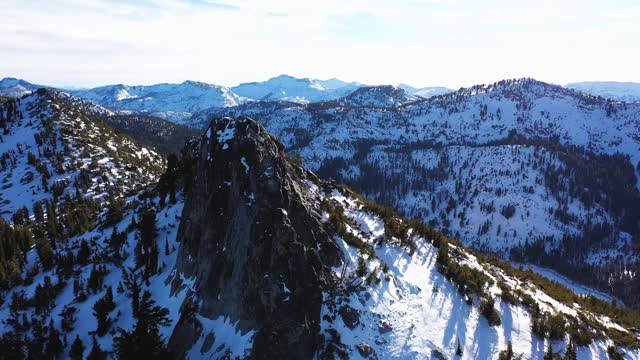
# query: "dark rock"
436 354
384 327
208 343
350 316
365 350
251 229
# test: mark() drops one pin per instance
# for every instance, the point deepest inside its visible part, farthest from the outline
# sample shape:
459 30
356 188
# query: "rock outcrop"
253 240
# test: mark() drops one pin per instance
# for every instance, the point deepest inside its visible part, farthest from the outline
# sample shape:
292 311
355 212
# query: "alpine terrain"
111 249
526 170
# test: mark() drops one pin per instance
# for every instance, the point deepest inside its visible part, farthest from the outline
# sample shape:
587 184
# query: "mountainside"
430 91
378 96
49 147
168 101
15 88
426 92
531 171
621 91
290 267
288 88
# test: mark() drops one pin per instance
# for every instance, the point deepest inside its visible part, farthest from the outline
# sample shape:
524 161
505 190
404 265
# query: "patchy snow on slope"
416 313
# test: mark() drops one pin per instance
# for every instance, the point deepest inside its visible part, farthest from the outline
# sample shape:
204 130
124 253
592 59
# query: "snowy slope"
384 96
11 87
402 307
169 101
414 312
121 316
430 91
425 92
450 160
621 91
71 144
288 88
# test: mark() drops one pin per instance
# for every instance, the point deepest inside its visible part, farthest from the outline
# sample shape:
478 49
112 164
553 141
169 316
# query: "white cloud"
451 43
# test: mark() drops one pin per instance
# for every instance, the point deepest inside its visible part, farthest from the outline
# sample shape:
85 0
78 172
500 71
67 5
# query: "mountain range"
621 91
345 221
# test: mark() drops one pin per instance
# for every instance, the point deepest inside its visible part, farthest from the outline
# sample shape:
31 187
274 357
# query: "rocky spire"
252 238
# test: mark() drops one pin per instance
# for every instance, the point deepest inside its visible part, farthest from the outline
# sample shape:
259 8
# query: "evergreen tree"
84 254
548 354
134 287
612 351
12 346
145 340
54 344
77 349
570 353
101 310
45 254
146 250
506 354
96 352
115 211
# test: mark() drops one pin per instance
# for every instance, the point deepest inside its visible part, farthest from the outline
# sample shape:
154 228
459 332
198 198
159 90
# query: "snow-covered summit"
285 87
425 92
12 87
384 96
189 96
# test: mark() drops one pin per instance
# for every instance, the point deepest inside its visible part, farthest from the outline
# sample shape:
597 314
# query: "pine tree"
96 351
145 340
134 287
146 250
84 254
614 354
101 310
54 344
506 354
45 254
77 349
570 353
548 355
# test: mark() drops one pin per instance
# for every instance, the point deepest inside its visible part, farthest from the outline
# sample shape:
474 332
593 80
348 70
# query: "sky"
451 43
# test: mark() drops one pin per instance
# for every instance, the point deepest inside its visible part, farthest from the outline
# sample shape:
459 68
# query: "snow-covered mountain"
430 91
50 147
288 88
170 101
521 168
621 91
15 88
292 267
426 92
385 96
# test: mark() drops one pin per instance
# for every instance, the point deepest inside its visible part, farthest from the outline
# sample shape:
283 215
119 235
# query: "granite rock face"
252 238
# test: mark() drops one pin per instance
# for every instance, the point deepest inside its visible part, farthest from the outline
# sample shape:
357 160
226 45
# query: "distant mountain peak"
379 96
12 87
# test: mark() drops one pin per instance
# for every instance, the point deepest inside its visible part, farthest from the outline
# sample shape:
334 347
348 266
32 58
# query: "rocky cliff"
253 241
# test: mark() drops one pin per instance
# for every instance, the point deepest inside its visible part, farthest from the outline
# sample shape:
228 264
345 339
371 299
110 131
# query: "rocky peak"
378 96
253 240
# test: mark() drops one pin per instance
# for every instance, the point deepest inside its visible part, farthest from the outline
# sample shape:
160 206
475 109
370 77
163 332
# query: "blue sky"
422 43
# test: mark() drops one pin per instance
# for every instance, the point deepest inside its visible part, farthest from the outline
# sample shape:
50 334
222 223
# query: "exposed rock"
208 343
350 316
384 327
366 351
252 237
436 354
